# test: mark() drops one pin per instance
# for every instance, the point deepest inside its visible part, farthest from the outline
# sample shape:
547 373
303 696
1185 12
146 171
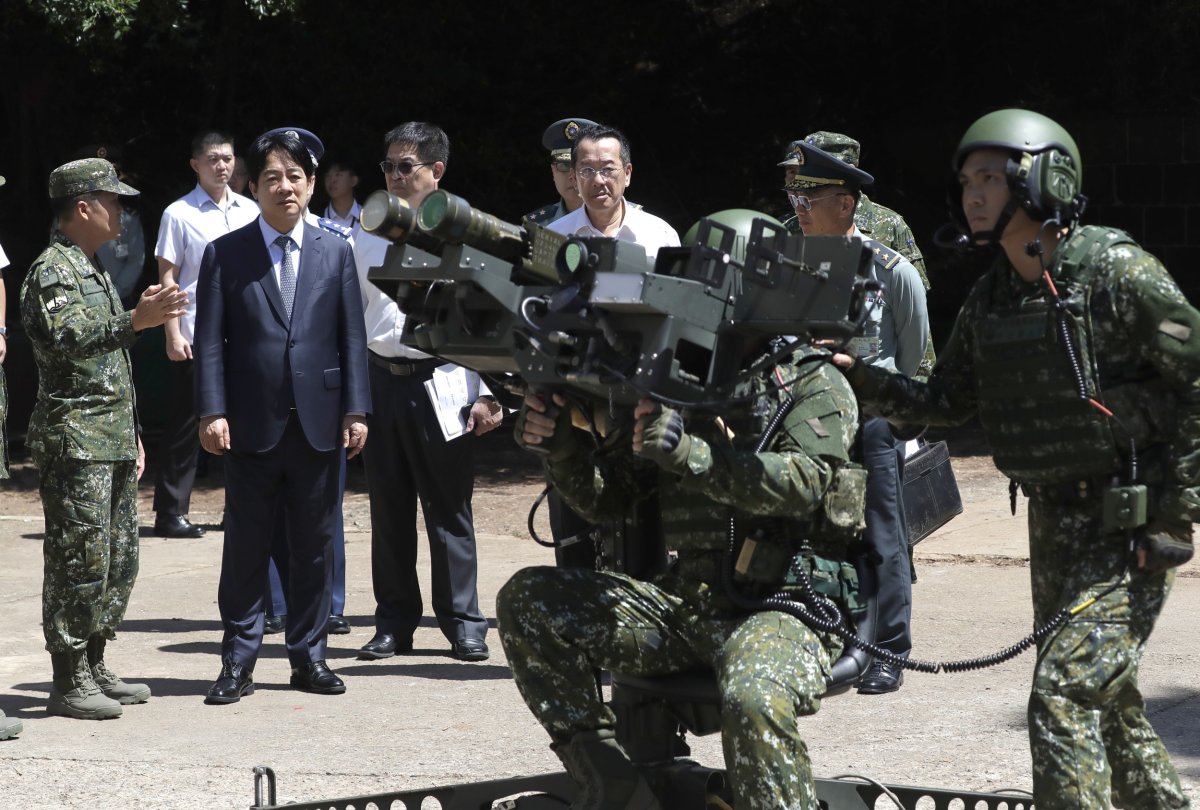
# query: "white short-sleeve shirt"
187 226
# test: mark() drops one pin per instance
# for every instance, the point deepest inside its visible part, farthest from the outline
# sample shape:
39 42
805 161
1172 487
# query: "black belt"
1067 491
401 367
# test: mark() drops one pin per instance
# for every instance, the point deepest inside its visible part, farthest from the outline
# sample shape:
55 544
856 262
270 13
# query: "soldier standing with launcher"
1082 360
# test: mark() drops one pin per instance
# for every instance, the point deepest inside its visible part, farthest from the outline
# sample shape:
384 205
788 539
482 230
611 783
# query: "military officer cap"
86 176
816 167
560 136
315 147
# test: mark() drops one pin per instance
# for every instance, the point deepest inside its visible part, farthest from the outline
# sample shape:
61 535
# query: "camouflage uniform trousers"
90 549
1088 730
557 624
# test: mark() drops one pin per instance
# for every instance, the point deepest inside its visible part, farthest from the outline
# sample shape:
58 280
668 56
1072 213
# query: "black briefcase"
931 496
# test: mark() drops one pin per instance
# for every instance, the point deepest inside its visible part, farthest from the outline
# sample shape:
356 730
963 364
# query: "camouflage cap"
816 167
834 143
560 136
85 176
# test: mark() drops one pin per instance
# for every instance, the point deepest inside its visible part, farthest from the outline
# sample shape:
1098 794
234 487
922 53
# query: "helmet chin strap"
992 237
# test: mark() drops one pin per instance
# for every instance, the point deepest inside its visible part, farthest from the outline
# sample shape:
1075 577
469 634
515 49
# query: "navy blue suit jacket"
253 366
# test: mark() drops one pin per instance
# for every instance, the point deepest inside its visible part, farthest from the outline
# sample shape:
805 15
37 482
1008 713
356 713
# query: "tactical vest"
1040 430
697 527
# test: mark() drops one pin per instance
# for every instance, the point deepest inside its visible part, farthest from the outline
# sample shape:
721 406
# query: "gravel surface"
425 719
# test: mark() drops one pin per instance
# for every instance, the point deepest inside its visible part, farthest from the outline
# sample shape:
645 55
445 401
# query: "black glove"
664 441
552 448
1165 546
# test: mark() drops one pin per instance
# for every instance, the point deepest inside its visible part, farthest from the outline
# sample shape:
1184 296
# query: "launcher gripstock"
594 315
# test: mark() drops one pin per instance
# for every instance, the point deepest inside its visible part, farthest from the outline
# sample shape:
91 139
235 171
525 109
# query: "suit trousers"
180 445
277 589
407 459
886 535
304 483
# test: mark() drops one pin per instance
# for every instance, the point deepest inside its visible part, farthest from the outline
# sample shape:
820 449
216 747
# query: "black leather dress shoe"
470 649
880 678
176 526
317 677
338 626
382 645
274 624
233 682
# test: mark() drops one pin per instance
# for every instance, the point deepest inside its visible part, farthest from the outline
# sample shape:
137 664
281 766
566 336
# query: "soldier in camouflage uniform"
799 498
876 221
1134 349
83 436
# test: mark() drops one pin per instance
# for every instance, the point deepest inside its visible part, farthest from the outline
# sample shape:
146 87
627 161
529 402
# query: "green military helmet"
740 220
1046 171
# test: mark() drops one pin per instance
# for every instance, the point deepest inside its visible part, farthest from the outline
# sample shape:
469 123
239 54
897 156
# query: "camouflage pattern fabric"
81 336
884 225
1088 729
1087 722
83 438
90 550
557 624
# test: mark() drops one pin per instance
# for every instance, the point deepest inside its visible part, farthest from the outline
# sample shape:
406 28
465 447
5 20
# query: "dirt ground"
425 719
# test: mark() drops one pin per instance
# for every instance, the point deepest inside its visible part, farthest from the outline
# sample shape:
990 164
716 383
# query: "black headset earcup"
1051 182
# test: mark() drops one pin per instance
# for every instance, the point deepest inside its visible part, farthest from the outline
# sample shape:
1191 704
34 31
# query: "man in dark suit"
281 387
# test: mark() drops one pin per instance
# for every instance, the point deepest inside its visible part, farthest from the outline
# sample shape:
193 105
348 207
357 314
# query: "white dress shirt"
187 226
637 226
276 252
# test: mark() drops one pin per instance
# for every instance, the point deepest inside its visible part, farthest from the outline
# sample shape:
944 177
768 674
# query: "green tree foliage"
86 22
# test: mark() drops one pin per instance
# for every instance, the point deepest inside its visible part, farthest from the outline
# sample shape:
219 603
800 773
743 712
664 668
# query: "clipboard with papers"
452 390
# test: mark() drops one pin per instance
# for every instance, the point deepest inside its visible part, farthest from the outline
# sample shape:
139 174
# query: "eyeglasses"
562 166
404 167
805 203
607 173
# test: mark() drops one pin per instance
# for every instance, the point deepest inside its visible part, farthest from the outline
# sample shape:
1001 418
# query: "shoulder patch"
542 216
53 274
885 257
334 228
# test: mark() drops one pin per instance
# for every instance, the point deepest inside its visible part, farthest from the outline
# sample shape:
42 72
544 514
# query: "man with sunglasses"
603 170
873 220
409 458
824 191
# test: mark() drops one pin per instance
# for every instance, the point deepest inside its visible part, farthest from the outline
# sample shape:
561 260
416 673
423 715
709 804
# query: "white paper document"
452 389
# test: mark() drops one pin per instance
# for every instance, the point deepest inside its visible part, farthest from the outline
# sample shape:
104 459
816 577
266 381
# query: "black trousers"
304 483
180 445
566 526
406 459
886 535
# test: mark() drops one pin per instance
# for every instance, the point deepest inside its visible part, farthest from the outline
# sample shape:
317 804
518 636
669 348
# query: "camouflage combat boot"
112 686
9 726
607 779
75 694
